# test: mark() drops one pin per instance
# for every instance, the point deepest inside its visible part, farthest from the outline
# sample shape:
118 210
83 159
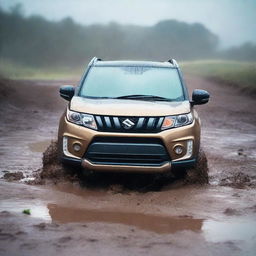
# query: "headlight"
177 121
81 119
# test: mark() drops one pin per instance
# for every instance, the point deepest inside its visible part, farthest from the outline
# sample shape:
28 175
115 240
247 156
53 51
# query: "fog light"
76 147
178 150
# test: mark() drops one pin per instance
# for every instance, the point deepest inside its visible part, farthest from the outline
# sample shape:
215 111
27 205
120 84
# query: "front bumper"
169 138
185 164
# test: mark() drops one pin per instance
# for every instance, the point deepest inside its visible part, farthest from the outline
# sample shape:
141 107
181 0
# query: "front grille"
129 124
127 151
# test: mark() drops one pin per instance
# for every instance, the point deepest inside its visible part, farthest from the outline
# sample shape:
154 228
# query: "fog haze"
234 21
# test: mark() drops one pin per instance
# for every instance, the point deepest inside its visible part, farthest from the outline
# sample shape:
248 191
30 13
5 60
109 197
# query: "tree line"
36 41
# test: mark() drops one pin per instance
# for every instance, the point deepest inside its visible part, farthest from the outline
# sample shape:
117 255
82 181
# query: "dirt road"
214 219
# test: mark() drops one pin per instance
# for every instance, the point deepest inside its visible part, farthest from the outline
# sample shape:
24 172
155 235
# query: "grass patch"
26 211
239 74
13 70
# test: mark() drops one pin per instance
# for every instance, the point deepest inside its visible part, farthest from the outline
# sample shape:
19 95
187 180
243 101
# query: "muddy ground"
107 217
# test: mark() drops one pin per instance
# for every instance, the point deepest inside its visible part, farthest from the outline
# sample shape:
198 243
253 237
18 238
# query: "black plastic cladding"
141 124
127 151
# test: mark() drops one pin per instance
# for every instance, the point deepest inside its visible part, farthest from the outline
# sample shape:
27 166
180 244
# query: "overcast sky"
234 21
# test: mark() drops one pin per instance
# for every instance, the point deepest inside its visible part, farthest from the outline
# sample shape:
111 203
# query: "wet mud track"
178 219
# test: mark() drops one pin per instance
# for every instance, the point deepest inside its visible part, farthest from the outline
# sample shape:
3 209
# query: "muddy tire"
198 174
179 173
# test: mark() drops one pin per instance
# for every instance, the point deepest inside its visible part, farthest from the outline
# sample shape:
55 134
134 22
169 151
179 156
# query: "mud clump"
231 212
50 156
198 174
237 180
13 176
53 170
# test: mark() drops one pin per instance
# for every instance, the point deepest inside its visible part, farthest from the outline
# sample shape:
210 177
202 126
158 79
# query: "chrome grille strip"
107 121
159 124
151 122
116 122
140 123
98 119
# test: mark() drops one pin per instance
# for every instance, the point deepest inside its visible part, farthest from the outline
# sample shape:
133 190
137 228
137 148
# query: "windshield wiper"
143 97
98 97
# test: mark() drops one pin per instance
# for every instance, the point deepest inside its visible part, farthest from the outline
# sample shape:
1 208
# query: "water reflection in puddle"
230 229
239 230
158 224
233 228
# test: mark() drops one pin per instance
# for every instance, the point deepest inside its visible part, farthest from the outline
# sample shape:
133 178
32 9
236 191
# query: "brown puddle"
158 224
39 146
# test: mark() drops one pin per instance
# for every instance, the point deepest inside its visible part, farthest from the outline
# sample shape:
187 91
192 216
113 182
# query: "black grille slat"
140 124
126 157
118 150
125 160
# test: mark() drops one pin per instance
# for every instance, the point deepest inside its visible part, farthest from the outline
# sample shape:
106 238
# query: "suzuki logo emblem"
128 124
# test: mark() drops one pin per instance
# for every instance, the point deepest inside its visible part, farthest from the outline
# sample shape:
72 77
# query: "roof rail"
173 62
93 60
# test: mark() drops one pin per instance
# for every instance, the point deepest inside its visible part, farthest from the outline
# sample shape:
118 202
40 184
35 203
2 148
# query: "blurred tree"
245 52
35 41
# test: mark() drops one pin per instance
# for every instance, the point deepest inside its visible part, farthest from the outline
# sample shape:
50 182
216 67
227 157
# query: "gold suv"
132 116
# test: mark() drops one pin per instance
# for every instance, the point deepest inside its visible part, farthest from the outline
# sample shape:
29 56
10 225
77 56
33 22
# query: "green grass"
239 74
26 211
12 70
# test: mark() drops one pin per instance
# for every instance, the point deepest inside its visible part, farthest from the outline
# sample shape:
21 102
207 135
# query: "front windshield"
113 82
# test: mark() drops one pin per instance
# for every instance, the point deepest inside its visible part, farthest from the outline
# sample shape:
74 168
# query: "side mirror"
200 97
67 92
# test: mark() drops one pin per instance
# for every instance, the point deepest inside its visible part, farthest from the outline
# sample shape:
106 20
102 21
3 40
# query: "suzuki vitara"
130 116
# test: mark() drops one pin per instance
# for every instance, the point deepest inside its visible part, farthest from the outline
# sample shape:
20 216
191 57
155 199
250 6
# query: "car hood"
125 107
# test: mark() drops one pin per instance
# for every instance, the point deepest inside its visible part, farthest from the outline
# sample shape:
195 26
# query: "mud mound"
199 174
13 176
238 180
53 171
50 156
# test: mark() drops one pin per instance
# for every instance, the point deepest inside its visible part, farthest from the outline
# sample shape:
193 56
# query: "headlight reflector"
81 119
177 121
168 122
75 116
